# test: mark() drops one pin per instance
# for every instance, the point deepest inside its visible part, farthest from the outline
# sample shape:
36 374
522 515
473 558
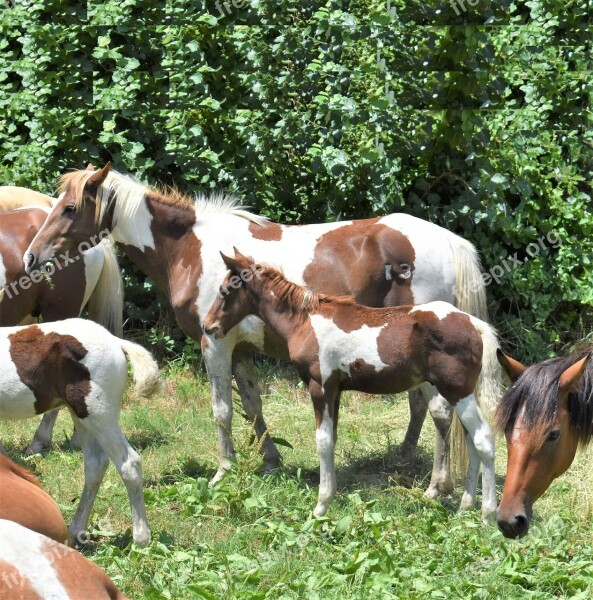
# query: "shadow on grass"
190 467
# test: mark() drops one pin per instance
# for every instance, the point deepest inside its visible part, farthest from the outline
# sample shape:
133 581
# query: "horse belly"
17 401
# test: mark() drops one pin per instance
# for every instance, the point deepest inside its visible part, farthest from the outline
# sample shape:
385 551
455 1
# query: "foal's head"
235 299
544 415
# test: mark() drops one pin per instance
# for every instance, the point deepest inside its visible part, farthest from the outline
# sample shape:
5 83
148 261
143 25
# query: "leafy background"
314 111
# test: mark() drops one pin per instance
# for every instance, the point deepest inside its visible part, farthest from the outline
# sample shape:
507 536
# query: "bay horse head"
544 415
233 301
80 218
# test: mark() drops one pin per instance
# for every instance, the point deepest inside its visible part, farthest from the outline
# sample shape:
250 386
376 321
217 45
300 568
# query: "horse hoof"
219 475
320 511
142 539
33 449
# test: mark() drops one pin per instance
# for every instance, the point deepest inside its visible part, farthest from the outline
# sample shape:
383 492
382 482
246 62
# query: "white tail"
106 303
470 297
145 370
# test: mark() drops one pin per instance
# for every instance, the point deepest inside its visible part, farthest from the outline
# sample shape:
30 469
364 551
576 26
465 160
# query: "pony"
33 566
94 281
336 345
386 261
24 501
545 415
78 364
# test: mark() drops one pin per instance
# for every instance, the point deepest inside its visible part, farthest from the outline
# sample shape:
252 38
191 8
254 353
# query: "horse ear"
241 257
570 379
90 167
232 263
96 179
513 368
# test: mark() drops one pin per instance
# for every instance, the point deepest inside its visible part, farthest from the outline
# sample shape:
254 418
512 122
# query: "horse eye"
553 436
69 210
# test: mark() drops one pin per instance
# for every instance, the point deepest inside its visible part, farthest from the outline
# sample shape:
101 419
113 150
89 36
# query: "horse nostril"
521 524
210 330
30 259
513 527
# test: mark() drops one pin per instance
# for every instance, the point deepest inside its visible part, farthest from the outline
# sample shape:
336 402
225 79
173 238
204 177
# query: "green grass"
254 537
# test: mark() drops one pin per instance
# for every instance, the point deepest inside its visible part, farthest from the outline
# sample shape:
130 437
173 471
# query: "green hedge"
479 121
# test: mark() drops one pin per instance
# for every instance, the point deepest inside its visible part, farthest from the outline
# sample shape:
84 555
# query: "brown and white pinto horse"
80 365
336 345
95 280
23 500
545 415
393 260
34 567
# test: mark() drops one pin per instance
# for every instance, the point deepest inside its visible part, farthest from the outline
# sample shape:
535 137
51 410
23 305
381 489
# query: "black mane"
536 392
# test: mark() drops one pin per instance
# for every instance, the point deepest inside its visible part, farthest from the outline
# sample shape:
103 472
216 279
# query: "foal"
338 345
79 364
23 500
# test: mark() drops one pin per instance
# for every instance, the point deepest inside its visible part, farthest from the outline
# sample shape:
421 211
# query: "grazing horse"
545 415
23 500
386 261
336 344
79 364
95 280
33 567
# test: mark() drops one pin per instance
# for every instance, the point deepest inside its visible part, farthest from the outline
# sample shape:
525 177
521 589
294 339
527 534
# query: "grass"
253 536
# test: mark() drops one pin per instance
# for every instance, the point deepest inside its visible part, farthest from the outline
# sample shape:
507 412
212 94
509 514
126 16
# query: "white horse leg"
441 411
217 358
418 403
129 466
244 373
326 439
95 465
41 441
483 441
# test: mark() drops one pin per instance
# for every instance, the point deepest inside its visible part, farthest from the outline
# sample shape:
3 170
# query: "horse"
392 260
78 364
336 345
545 415
33 566
12 196
95 280
24 501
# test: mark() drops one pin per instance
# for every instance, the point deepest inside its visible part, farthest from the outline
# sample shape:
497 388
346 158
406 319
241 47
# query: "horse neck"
282 317
162 241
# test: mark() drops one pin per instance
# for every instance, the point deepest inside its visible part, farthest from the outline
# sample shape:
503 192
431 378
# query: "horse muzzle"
213 330
514 523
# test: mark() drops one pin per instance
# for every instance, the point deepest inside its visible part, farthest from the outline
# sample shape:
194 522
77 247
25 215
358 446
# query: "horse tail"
145 370
106 303
470 297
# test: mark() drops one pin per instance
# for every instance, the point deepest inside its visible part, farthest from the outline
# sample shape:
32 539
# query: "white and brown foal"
339 345
35 567
78 364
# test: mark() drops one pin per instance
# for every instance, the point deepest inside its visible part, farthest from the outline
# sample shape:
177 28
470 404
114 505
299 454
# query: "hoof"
142 539
436 490
33 449
320 511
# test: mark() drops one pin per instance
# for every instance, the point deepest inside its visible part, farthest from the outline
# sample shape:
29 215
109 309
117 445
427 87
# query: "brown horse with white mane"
338 345
393 260
23 500
545 415
92 279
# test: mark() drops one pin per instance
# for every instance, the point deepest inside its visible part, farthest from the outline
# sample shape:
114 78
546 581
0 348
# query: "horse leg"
441 483
483 440
129 466
41 441
324 405
95 465
244 373
418 406
217 359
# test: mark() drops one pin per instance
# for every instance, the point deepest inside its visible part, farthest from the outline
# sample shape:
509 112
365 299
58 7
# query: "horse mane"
297 296
130 194
535 395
